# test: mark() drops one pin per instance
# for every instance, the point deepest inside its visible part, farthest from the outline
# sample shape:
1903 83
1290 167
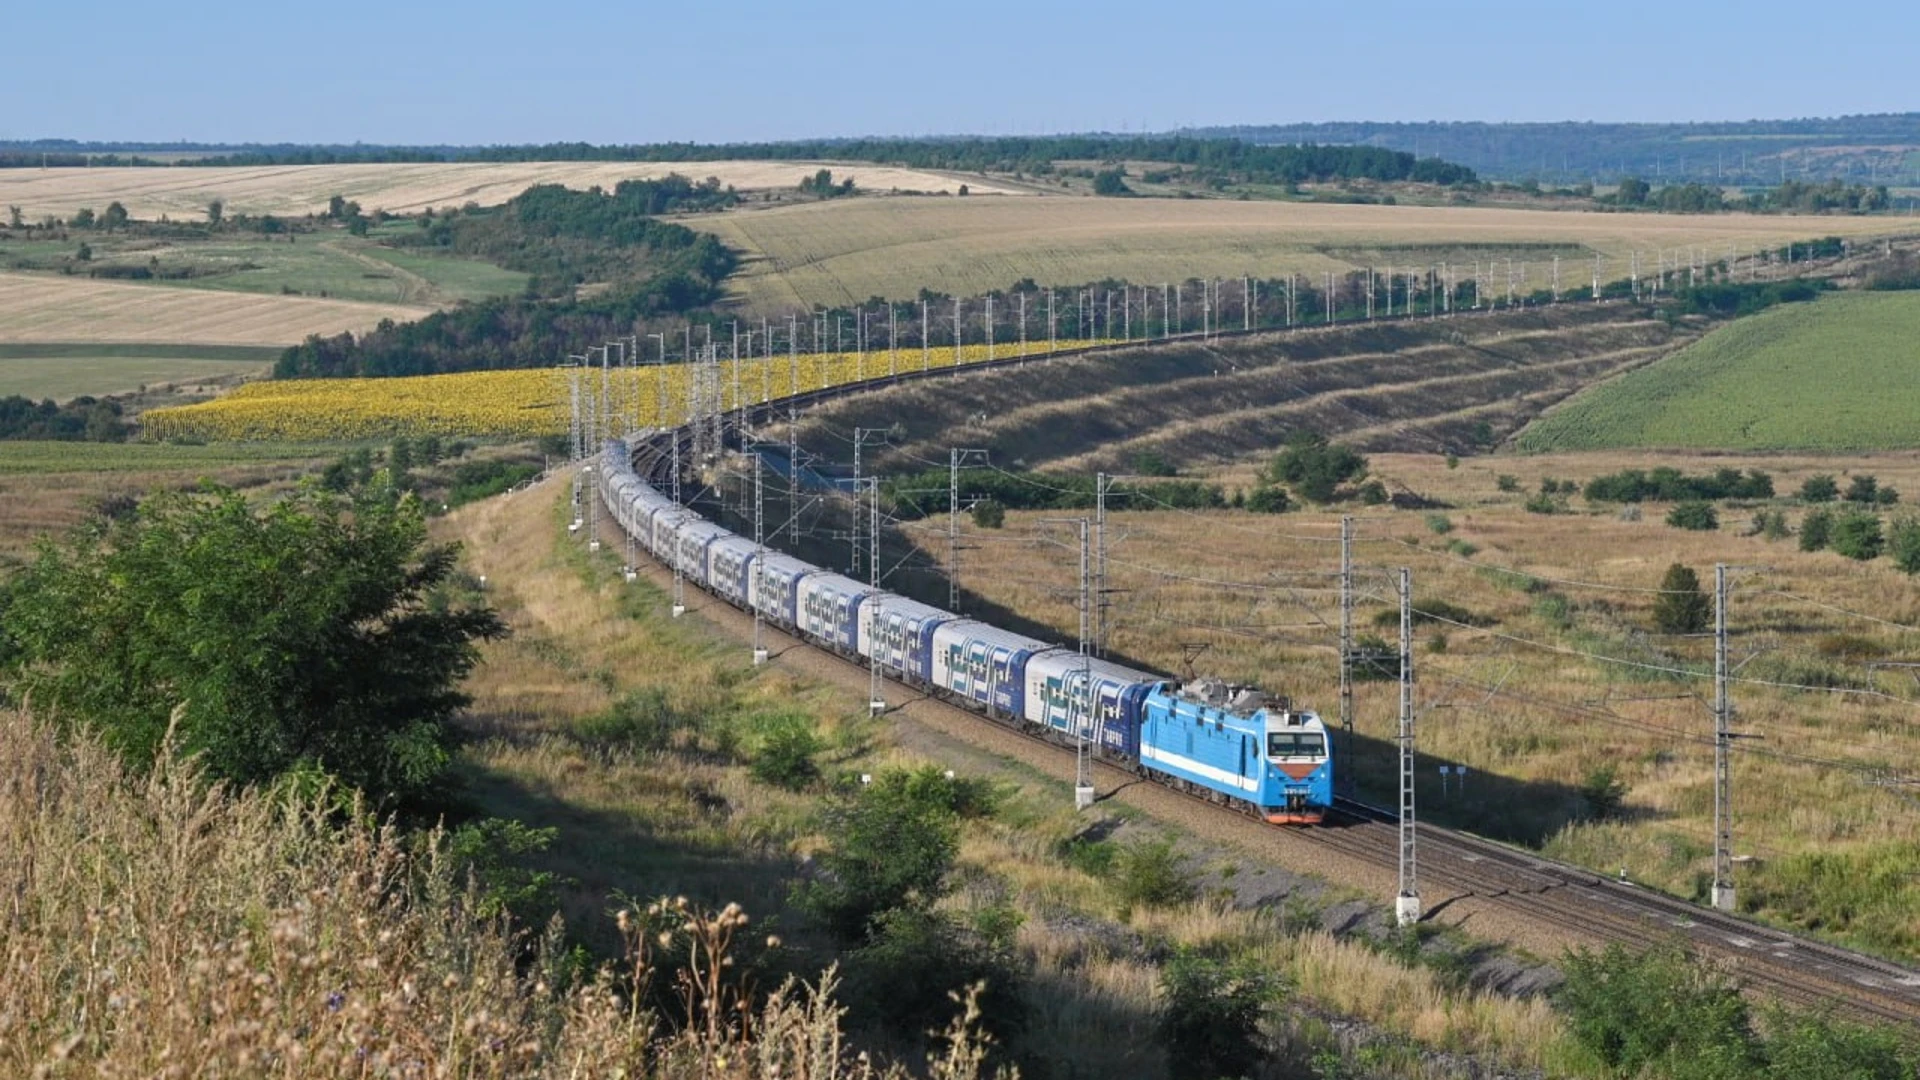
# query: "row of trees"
1791 197
1246 160
82 418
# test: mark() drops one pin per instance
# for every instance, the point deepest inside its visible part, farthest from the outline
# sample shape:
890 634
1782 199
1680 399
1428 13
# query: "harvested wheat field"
848 250
35 308
184 192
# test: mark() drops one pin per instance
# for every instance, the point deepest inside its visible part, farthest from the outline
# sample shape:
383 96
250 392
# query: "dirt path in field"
413 288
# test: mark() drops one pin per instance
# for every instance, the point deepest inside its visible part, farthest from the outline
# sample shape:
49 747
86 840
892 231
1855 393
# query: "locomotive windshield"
1293 744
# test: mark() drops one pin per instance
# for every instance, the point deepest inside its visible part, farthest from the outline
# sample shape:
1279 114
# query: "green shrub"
1657 1013
1681 607
1857 535
1316 468
1507 482
1266 499
905 978
1433 610
1603 791
894 841
1904 545
639 720
1814 1047
1816 530
1441 524
1373 493
1463 548
1819 488
785 757
1210 1019
1863 490
989 514
1695 516
492 851
1150 874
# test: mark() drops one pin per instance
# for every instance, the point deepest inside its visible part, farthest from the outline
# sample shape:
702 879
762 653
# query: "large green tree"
312 634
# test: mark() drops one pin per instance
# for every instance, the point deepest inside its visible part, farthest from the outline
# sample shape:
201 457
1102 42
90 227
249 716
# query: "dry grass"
36 308
846 251
1515 703
162 927
292 190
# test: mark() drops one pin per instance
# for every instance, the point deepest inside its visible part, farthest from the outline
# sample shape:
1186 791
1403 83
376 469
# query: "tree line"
1246 160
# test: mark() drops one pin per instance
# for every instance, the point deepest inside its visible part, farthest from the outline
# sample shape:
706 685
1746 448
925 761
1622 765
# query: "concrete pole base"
1406 910
593 545
759 657
877 706
1723 898
1083 795
679 610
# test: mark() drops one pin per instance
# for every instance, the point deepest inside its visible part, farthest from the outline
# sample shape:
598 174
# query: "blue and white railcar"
1085 698
898 632
1237 743
774 588
690 542
984 664
829 610
730 567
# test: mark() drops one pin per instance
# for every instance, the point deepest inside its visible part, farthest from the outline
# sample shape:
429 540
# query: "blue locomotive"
1230 744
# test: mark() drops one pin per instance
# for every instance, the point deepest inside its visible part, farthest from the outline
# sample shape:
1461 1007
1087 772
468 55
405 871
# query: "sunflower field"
528 402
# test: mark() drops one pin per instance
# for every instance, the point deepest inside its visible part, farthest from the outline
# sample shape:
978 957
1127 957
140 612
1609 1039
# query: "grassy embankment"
1833 376
683 814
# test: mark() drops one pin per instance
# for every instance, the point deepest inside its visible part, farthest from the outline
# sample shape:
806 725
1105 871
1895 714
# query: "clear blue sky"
493 72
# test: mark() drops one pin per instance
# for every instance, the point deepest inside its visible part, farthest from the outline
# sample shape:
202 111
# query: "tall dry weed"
167 927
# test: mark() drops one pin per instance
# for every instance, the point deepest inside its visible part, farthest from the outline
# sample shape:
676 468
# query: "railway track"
1793 968
1789 967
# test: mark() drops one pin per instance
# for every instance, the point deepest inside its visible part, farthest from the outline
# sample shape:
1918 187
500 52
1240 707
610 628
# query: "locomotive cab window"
1295 744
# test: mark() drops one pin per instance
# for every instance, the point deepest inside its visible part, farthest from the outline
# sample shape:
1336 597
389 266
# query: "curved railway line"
1558 896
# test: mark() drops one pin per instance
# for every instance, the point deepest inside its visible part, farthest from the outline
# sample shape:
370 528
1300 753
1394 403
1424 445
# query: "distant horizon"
1197 131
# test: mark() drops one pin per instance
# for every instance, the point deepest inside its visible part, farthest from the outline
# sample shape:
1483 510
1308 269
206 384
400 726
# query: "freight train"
1230 744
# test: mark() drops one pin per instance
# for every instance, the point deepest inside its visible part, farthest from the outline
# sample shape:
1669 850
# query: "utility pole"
1083 760
926 343
759 554
1051 346
956 457
893 339
1102 487
1406 906
1086 722
860 436
956 331
989 318
875 703
1723 894
1023 324
1346 651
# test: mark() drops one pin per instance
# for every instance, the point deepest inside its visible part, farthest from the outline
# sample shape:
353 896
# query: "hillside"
1834 375
846 251
1423 386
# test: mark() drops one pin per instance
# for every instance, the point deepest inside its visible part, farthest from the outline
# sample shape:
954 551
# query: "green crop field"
87 457
336 267
1836 375
62 371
